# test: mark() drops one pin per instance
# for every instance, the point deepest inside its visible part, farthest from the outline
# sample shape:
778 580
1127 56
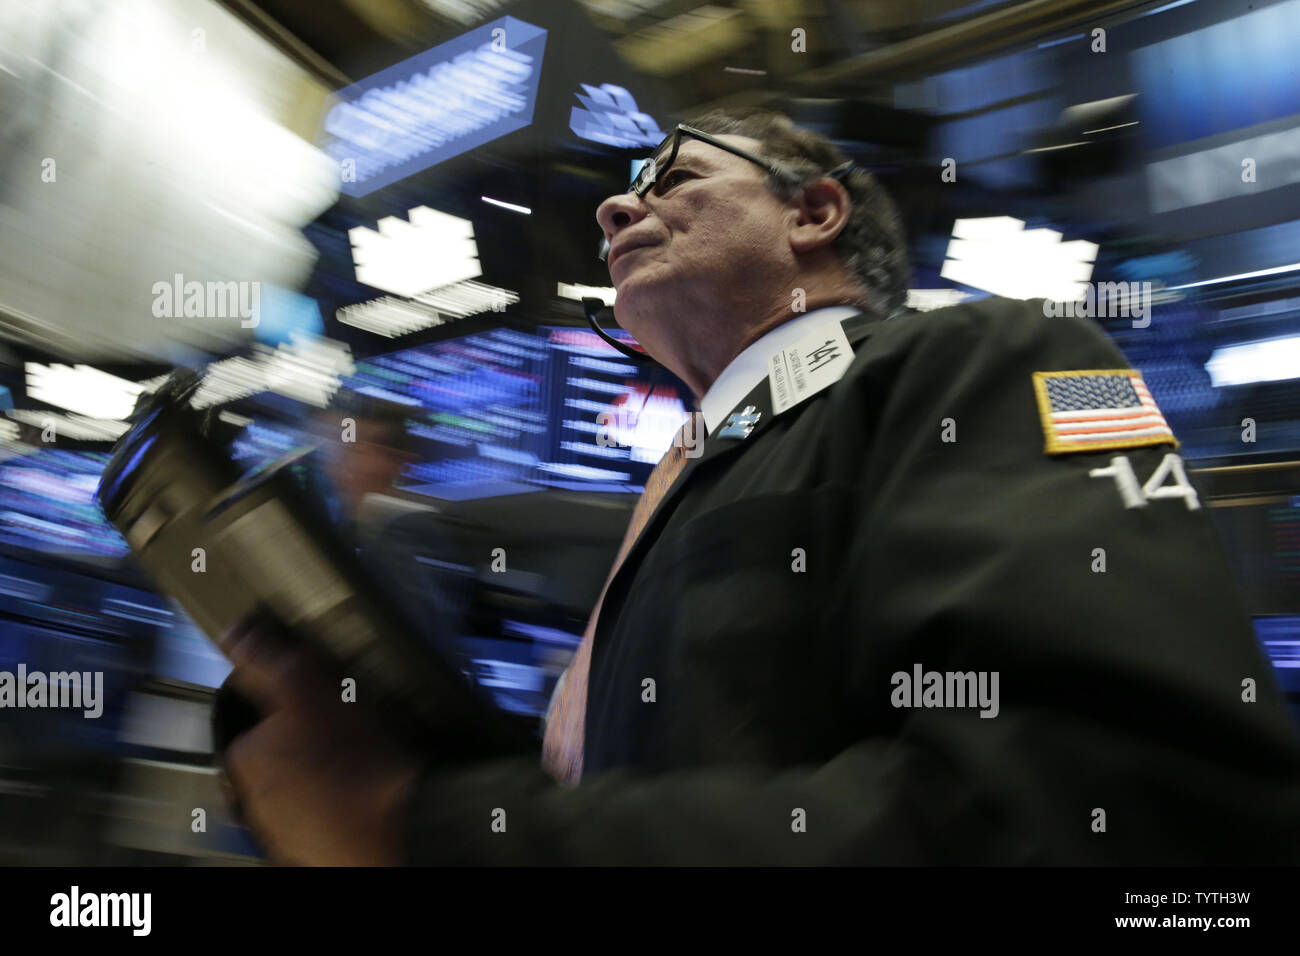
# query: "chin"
626 305
637 295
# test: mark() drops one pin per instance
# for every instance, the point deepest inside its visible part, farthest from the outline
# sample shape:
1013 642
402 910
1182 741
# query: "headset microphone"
591 306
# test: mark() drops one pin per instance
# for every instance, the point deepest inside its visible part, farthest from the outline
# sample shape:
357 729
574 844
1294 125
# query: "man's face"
704 227
367 465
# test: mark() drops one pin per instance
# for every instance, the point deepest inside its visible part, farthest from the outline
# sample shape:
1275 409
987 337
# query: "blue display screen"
507 411
48 504
1232 75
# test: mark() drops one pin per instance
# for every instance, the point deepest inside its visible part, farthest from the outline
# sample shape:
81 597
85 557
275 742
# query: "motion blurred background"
384 210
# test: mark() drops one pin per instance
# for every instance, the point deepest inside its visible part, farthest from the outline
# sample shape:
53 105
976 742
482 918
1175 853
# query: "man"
366 449
935 590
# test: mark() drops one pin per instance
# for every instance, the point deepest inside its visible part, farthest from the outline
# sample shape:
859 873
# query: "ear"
821 212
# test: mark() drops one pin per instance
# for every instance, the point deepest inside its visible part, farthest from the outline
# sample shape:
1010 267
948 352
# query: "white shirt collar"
750 367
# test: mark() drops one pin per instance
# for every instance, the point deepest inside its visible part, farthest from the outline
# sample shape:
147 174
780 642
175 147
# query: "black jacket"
773 737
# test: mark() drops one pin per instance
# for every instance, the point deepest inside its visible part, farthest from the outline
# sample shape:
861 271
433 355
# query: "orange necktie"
566 724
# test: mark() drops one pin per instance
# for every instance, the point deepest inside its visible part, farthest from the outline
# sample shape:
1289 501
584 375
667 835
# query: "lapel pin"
740 424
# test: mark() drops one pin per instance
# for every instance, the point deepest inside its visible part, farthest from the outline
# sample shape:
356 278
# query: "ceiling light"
999 255
83 389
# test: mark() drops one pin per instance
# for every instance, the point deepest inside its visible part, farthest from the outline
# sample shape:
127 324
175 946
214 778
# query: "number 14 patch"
1136 496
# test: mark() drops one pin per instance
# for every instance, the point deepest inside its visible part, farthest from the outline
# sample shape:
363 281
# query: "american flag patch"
1098 409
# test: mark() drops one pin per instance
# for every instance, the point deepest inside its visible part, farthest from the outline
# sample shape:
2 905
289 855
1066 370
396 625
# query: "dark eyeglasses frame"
650 171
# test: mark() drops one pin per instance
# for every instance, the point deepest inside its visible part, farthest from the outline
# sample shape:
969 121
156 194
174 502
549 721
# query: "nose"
618 212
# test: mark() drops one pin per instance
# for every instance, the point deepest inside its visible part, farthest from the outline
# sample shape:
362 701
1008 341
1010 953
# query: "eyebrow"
696 161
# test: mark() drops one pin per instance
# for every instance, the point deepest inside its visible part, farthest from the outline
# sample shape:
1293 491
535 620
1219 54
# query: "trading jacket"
749 697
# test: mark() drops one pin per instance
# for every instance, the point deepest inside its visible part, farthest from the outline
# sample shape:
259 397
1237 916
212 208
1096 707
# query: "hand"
319 780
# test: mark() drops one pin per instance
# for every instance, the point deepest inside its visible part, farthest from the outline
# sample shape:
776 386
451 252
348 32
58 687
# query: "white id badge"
816 361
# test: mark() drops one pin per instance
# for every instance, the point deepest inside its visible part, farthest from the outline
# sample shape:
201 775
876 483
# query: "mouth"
619 252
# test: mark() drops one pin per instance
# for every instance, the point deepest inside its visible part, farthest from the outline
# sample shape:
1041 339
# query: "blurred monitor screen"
505 411
1280 636
185 655
47 504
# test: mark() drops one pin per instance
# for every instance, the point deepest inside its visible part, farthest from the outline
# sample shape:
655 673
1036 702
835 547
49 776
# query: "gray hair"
872 245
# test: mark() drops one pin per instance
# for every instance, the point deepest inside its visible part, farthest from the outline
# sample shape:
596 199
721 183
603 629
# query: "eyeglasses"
653 168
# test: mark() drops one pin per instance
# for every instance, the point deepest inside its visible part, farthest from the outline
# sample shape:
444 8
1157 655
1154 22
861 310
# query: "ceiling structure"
705 53
832 64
